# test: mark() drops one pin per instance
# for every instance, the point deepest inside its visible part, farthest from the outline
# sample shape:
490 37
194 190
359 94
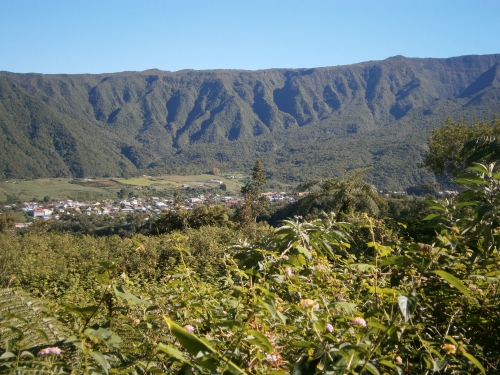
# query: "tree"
447 155
482 149
254 203
6 222
200 216
341 195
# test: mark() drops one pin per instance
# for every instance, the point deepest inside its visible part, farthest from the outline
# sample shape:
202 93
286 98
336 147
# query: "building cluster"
147 206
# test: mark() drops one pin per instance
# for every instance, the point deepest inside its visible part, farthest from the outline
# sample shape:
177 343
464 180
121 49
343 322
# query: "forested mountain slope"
302 123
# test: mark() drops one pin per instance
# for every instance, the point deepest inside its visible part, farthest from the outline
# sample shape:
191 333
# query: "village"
147 206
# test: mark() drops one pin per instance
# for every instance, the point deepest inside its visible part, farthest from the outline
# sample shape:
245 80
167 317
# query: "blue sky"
102 36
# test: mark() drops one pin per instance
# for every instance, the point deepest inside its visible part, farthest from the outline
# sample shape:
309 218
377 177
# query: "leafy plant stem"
449 325
98 305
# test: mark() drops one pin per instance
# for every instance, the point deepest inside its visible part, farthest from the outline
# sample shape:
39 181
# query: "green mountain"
302 123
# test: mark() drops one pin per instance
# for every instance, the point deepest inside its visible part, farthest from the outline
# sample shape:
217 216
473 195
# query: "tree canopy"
447 155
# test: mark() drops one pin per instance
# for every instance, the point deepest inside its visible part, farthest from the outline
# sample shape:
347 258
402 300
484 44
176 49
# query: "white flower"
329 327
189 328
272 358
288 271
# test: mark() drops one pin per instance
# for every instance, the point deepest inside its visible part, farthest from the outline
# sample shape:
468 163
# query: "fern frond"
307 185
25 321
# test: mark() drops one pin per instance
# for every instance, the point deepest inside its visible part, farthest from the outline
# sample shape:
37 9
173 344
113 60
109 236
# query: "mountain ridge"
123 123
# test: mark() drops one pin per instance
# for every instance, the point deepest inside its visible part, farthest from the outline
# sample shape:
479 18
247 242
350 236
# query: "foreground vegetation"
352 284
309 297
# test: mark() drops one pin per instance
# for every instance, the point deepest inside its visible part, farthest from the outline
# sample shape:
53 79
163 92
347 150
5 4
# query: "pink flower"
359 322
329 327
288 271
52 350
189 328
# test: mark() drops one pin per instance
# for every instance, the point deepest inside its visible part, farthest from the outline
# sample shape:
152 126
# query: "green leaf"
17 330
431 217
302 250
88 310
297 260
462 204
454 282
383 290
391 365
25 353
362 267
399 260
7 355
155 370
189 341
480 168
43 334
463 181
110 338
476 363
347 307
370 367
10 316
122 293
377 325
195 347
171 351
259 339
407 306
272 310
102 278
101 360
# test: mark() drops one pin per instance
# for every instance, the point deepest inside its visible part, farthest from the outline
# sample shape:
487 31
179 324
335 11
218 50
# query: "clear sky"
103 36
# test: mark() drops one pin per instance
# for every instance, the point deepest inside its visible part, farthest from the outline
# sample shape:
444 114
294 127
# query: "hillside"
302 123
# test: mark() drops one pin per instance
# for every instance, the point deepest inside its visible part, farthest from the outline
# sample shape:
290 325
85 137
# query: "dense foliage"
358 296
446 154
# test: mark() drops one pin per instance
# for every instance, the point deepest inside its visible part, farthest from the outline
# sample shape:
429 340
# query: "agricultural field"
56 188
233 182
85 189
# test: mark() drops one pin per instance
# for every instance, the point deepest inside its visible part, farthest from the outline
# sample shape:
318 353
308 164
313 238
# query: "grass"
174 181
56 188
62 188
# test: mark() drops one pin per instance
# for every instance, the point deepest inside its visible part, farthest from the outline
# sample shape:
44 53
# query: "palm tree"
341 195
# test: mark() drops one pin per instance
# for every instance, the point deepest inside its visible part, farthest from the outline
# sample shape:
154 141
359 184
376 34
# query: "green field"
65 188
55 188
175 181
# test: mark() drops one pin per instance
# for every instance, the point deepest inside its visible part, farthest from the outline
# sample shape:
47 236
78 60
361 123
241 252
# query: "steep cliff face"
115 123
